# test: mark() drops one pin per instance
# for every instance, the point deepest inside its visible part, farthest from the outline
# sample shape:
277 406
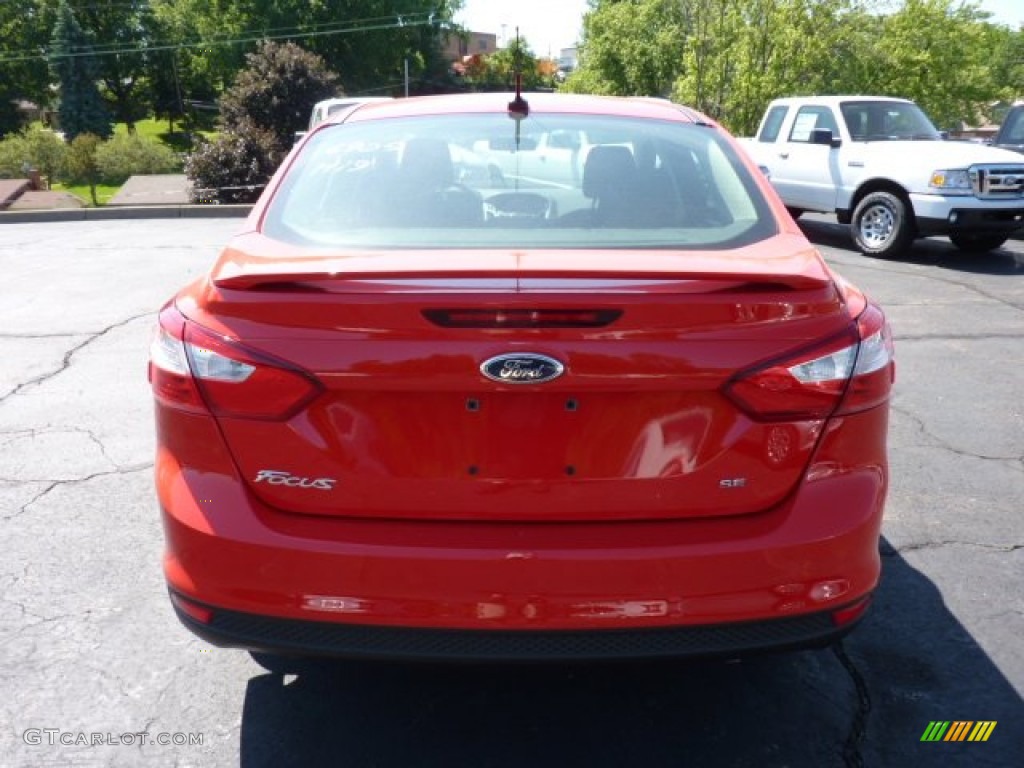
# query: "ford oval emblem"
522 368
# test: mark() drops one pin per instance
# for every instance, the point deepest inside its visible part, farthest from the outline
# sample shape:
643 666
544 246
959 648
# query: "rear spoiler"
518 280
255 260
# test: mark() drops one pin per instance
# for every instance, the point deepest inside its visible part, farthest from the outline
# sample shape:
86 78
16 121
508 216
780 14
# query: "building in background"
458 46
568 60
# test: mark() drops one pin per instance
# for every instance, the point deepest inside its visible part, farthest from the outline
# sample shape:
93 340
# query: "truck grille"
997 181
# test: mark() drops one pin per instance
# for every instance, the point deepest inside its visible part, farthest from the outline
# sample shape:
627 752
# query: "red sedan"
491 378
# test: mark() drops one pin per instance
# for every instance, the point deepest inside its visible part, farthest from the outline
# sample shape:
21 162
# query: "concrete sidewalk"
163 196
11 190
159 189
126 212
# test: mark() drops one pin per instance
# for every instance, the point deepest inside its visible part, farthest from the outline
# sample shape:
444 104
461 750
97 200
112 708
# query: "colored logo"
958 730
523 368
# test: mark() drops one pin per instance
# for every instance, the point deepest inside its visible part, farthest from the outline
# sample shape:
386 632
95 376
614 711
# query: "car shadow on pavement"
867 703
936 251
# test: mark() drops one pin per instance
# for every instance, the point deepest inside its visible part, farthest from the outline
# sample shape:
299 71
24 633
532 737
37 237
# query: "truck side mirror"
824 136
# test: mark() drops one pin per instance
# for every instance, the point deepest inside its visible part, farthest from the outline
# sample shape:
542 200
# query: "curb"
126 212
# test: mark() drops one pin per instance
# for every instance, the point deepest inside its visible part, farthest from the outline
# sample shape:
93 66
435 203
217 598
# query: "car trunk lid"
408 423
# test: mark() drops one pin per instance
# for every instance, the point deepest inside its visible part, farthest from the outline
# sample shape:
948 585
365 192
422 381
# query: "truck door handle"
784 155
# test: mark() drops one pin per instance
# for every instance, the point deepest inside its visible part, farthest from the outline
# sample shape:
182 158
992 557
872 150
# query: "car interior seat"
610 181
425 193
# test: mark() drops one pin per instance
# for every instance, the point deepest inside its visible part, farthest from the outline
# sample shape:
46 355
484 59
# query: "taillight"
875 371
169 374
200 613
196 370
849 373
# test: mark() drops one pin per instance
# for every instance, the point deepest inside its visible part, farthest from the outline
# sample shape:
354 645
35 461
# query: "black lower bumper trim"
1007 221
319 638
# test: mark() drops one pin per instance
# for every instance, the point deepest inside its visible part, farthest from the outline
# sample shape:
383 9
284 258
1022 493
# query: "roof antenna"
518 108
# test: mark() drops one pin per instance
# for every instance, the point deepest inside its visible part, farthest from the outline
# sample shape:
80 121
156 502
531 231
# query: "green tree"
795 47
367 41
710 62
1007 65
729 58
24 32
10 117
939 54
496 71
127 27
73 65
81 167
631 48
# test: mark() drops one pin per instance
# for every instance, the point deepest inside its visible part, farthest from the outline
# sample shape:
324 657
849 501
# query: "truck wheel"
880 226
977 242
796 213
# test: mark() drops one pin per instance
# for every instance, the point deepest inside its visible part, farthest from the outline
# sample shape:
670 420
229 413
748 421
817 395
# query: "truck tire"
796 213
977 242
880 225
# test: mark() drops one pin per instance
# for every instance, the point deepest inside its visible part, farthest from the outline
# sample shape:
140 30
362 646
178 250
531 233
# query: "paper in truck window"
803 125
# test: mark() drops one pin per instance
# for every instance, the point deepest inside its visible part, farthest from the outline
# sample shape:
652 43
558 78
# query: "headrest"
428 162
607 168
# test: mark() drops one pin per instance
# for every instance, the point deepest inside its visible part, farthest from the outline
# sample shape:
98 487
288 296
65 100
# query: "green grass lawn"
151 128
103 192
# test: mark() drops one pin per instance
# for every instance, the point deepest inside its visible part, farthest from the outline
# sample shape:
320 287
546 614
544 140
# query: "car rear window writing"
549 181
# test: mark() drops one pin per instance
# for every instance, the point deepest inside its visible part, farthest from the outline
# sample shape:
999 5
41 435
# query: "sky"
550 25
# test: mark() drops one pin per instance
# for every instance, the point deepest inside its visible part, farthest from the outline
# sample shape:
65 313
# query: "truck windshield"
1012 131
888 121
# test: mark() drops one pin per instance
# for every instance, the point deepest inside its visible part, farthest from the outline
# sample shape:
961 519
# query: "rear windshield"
548 181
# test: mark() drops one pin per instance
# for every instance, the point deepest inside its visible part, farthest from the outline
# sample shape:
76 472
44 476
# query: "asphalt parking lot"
97 672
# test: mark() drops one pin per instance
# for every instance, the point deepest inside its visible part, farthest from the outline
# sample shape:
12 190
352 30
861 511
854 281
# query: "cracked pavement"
88 643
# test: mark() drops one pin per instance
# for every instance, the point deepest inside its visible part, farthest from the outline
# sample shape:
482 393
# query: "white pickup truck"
881 166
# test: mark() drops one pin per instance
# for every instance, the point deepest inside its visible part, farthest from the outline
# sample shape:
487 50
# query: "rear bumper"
287 582
318 638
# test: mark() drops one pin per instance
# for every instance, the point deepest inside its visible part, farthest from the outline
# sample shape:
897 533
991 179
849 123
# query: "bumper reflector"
198 612
851 613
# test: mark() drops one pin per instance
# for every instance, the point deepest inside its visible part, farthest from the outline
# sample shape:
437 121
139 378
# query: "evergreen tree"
73 65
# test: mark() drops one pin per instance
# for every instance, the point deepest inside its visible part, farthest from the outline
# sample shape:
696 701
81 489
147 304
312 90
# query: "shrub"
13 155
47 151
269 101
81 162
36 148
128 154
277 90
234 167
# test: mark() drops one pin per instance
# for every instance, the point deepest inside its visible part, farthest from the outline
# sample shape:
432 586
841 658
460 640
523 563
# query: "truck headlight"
957 182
